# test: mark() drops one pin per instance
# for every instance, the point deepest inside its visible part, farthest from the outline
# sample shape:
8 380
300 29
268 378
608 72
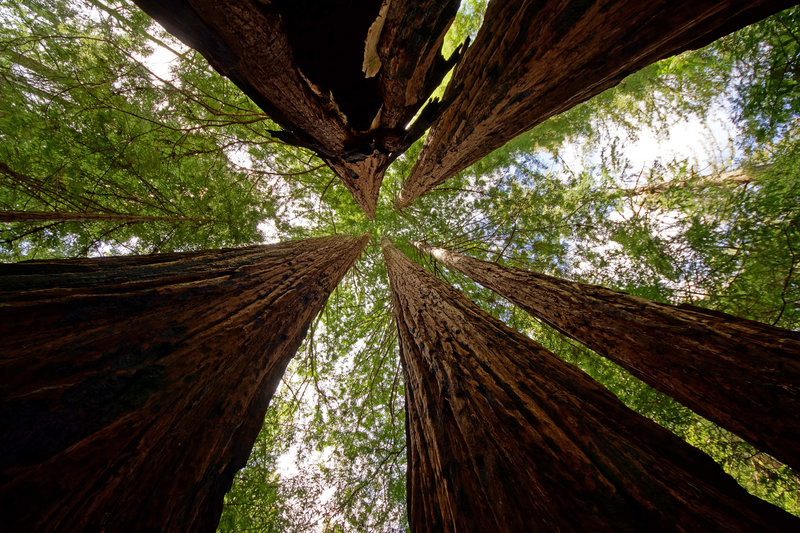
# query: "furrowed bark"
133 388
740 374
504 436
352 173
88 216
533 59
302 62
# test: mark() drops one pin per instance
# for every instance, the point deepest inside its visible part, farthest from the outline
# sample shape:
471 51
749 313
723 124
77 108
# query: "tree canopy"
116 138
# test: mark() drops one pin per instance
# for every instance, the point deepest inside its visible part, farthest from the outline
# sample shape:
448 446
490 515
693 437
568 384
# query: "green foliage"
256 494
766 60
86 125
342 422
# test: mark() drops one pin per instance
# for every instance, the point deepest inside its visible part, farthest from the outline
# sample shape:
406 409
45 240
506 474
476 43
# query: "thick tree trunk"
133 388
64 216
533 59
740 374
341 81
504 436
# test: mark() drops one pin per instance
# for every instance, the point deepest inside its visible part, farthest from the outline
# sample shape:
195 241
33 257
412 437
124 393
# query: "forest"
679 185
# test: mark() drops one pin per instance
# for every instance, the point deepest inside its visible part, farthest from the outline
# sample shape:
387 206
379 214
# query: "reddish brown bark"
412 66
301 62
533 59
133 388
64 216
504 436
740 374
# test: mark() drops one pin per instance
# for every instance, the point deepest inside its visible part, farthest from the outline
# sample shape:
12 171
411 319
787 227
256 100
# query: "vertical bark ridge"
533 59
740 374
504 436
133 388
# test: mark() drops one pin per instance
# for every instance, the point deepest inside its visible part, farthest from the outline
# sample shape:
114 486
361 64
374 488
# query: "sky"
704 142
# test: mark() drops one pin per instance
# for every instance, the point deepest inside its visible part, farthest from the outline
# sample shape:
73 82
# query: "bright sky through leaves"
84 126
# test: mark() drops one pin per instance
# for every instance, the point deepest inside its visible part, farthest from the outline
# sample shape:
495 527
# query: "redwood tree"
133 387
504 436
533 59
342 82
738 373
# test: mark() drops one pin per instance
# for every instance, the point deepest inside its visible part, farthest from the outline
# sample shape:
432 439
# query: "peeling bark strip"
412 65
504 436
740 374
533 59
301 61
133 388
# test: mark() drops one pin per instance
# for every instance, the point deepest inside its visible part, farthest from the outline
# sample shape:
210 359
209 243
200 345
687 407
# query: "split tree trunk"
504 436
411 62
533 59
340 81
133 388
88 216
740 374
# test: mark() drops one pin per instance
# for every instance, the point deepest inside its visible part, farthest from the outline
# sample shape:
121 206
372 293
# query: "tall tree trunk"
88 216
504 436
342 82
133 388
533 59
740 374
